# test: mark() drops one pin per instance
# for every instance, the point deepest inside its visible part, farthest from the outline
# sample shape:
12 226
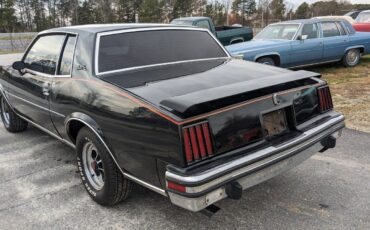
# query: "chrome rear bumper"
208 187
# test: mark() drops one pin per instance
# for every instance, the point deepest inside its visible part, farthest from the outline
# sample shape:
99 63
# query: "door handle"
46 92
46 89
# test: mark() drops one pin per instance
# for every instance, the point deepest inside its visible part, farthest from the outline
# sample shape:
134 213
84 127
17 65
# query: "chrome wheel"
352 57
5 111
93 165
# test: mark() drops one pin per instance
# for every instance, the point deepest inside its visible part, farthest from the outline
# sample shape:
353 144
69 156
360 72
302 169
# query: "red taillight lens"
197 142
177 187
325 100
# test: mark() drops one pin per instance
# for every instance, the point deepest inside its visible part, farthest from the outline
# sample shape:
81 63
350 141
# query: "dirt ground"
350 88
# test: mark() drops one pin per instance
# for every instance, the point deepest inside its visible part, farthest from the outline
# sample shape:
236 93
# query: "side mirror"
19 65
302 37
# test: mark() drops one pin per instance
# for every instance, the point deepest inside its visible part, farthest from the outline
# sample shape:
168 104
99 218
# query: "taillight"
325 100
176 187
197 142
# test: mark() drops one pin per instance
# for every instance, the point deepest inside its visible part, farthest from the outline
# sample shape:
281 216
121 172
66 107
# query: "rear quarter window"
134 49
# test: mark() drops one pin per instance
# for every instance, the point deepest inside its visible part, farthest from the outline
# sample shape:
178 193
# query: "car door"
336 40
308 47
29 88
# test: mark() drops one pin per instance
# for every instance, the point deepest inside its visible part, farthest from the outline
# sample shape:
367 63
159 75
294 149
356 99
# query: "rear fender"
93 126
86 120
356 47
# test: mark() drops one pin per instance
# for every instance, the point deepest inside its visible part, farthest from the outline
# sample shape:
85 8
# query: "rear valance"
185 103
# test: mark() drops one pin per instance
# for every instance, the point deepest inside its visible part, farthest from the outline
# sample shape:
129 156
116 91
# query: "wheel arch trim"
93 126
354 47
266 54
236 39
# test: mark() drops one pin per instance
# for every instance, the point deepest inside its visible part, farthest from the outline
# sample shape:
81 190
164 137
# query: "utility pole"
243 14
76 12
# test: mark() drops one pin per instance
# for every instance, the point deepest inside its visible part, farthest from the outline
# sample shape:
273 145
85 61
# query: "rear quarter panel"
361 39
136 136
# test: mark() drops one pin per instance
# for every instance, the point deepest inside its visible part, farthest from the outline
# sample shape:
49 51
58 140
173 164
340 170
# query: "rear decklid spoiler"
185 104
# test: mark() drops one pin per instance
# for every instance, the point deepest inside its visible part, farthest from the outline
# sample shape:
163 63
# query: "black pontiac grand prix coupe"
168 108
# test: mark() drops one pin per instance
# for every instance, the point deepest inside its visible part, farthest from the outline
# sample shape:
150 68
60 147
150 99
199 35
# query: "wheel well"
236 41
276 58
361 49
74 127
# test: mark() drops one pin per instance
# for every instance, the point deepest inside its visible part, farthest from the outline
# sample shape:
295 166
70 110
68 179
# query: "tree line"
37 15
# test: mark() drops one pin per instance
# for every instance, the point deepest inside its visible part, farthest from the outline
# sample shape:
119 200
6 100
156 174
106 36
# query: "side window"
43 55
67 56
330 29
310 30
203 24
341 29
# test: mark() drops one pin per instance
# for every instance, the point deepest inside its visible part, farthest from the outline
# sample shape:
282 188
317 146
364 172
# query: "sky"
296 3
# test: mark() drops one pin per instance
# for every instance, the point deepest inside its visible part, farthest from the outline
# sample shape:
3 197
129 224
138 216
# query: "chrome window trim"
42 34
336 25
298 31
73 56
340 23
97 45
287 23
127 175
313 23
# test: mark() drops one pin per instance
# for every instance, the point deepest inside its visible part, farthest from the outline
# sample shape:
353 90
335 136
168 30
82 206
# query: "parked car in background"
362 23
353 14
348 18
168 108
225 34
306 42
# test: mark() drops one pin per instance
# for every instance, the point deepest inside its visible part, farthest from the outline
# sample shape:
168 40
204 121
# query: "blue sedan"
299 43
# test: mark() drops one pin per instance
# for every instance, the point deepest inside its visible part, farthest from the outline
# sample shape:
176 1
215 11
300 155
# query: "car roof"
191 18
98 28
365 11
311 20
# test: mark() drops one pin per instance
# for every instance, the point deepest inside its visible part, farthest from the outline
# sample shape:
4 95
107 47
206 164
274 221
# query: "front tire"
352 58
12 122
100 175
267 61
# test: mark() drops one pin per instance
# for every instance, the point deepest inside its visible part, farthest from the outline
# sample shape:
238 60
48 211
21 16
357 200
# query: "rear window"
133 49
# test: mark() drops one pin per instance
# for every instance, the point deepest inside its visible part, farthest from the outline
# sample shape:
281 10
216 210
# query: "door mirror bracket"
302 37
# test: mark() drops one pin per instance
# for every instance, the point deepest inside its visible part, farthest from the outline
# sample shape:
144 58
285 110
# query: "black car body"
179 117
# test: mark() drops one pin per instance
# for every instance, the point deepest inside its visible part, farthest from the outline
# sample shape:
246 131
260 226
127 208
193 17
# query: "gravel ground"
40 189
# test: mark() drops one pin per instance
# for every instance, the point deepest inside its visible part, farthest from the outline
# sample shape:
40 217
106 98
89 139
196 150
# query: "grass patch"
11 52
350 88
24 37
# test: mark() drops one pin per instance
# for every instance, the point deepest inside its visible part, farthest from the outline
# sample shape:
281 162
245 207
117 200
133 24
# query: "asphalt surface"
40 189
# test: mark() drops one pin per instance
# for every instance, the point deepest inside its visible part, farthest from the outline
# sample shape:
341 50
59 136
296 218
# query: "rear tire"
100 175
267 61
352 58
12 122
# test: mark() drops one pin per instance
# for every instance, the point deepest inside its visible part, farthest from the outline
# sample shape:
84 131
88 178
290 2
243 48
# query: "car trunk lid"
190 89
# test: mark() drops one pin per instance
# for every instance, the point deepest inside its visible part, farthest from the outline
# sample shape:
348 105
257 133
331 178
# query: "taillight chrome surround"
197 142
325 100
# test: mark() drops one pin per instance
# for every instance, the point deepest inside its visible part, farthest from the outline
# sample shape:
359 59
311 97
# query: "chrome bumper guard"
202 190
